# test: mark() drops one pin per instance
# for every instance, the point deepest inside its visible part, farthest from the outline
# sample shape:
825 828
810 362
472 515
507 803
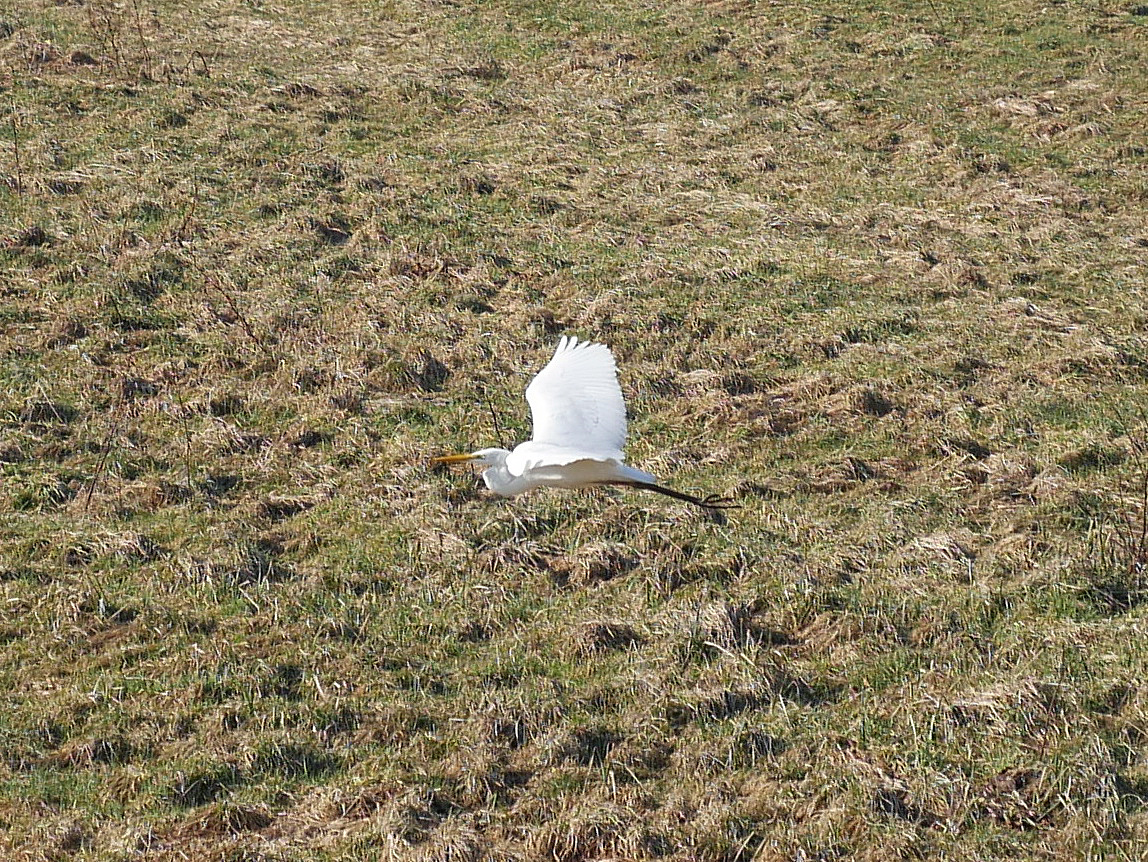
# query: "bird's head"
480 457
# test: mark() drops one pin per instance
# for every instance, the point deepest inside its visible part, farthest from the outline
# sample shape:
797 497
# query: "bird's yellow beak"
452 459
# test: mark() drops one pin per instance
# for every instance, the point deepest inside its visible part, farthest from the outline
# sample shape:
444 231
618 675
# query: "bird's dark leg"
712 502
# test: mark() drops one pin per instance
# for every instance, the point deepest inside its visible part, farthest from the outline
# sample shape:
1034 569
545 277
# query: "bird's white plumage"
579 428
579 432
576 402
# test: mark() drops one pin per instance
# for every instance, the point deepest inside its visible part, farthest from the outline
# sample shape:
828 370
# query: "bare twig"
205 69
16 150
186 441
1134 531
1132 527
105 30
177 234
1052 701
144 70
212 282
494 418
239 315
106 449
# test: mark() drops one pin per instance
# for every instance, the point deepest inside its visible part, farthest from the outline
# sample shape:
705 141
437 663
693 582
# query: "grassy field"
875 269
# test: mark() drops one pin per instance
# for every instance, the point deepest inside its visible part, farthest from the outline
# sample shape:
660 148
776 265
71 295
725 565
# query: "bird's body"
579 431
535 465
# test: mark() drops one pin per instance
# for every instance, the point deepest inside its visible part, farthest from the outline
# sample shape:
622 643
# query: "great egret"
579 432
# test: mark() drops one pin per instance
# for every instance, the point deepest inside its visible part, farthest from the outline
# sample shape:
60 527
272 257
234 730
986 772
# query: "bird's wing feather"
533 455
544 464
576 401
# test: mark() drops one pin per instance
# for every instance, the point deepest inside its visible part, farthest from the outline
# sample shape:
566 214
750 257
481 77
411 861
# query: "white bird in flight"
579 431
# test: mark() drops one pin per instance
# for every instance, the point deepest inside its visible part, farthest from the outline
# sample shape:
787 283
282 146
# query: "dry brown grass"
876 271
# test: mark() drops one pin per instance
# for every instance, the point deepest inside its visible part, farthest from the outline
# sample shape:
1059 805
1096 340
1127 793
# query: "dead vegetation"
877 272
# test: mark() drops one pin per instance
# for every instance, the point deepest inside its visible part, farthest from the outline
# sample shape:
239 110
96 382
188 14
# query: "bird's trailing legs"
712 503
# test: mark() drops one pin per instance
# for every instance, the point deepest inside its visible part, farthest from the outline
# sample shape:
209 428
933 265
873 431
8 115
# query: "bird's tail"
633 474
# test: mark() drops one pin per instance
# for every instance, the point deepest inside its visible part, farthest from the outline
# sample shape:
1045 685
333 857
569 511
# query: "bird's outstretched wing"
576 401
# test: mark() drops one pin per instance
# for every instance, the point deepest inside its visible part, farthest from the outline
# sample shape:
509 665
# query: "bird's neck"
501 481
